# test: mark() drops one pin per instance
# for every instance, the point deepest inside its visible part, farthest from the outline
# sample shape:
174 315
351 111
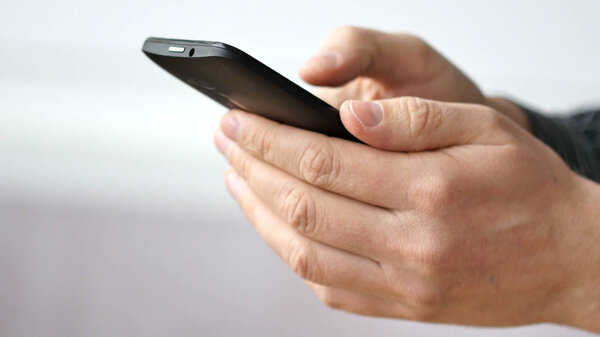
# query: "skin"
357 63
452 212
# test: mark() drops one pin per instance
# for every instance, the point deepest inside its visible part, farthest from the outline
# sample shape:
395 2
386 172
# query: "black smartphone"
239 81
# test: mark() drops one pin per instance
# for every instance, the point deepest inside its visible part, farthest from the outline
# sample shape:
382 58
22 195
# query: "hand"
454 214
366 64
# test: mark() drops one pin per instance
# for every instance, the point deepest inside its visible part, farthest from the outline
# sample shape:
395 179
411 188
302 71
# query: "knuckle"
423 55
348 33
319 164
301 260
424 315
420 47
258 142
369 88
415 42
494 120
243 163
433 256
252 213
422 116
425 299
434 253
329 298
424 294
437 192
442 192
361 40
300 210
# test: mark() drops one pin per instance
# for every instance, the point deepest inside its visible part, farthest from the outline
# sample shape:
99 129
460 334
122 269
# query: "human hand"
364 64
454 214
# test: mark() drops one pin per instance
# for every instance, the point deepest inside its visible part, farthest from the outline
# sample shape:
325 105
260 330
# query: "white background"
113 217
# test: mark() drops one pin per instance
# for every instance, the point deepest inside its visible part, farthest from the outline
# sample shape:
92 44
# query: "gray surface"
113 216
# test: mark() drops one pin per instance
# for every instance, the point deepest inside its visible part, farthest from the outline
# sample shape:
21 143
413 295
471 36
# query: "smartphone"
239 81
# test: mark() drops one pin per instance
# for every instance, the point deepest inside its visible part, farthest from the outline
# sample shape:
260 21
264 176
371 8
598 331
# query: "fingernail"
233 182
323 60
230 126
222 142
367 113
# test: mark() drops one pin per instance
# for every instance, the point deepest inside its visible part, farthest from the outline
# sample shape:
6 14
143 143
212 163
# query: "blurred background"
113 217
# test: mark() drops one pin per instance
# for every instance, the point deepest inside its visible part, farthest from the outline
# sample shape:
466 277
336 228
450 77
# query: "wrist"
581 307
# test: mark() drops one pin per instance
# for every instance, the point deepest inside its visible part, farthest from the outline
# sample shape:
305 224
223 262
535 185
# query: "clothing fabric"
576 138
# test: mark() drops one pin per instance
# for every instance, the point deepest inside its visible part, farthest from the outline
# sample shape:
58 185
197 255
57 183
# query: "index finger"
349 52
333 164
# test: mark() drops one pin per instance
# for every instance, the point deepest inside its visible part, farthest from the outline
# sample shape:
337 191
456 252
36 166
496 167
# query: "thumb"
415 124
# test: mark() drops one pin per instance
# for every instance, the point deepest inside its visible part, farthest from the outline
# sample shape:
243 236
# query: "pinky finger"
358 303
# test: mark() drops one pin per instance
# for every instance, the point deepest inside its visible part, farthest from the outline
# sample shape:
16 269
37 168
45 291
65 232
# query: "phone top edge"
160 46
161 40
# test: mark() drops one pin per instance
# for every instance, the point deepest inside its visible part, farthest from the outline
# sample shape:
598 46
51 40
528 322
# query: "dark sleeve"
576 138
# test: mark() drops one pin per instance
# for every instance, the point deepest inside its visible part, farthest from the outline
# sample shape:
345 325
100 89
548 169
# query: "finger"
329 218
358 303
310 259
333 96
414 124
350 52
360 89
329 163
